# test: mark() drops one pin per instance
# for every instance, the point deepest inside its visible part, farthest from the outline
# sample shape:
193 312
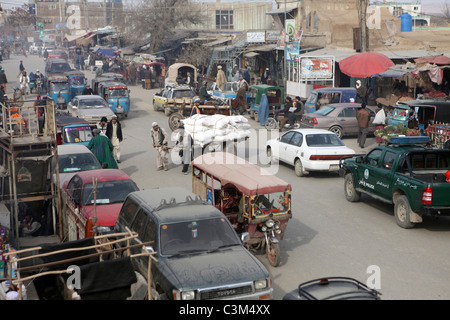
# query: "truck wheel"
349 189
402 212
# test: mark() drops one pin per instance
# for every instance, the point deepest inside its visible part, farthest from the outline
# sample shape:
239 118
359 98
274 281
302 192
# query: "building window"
224 19
52 6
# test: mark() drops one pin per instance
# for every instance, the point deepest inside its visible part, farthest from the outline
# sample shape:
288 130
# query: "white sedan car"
308 150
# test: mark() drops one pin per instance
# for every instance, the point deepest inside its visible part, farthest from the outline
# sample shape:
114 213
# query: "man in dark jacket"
363 117
3 80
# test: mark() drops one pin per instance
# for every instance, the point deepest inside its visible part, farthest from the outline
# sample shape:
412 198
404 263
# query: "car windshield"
77 80
183 94
59 67
92 104
270 203
56 86
324 110
78 134
108 192
77 162
197 236
119 92
323 140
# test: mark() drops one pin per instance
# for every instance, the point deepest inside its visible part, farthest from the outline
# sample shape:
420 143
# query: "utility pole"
362 14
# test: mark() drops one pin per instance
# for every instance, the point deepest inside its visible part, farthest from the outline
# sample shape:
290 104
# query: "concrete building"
73 16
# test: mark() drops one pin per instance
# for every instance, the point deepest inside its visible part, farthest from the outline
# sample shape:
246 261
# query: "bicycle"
273 123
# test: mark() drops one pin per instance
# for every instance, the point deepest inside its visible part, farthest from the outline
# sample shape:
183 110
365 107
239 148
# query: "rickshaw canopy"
177 67
248 178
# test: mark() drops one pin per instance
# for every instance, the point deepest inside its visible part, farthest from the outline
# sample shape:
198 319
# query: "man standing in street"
221 79
102 126
3 79
102 148
160 138
114 133
363 117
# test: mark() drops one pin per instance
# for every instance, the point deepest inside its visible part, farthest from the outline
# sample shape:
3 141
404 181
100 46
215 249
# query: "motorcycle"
274 122
38 85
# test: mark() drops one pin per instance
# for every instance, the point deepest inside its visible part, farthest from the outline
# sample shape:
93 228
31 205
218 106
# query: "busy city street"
327 235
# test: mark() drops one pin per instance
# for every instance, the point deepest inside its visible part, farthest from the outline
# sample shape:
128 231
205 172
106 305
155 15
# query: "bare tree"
445 9
159 19
21 20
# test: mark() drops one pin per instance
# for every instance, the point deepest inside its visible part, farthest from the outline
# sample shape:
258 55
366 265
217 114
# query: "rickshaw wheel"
175 120
273 253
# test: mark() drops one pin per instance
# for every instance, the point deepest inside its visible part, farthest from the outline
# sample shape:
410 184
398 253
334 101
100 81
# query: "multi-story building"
73 16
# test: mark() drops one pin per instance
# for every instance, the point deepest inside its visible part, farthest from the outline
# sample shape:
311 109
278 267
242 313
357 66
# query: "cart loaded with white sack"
216 130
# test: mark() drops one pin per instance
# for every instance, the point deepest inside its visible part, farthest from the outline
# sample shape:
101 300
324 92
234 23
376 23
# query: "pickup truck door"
369 174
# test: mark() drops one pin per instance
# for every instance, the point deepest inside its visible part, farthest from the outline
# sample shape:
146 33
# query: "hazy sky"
429 6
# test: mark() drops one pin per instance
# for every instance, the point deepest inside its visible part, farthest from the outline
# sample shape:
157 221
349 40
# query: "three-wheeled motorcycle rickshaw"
77 83
117 95
275 97
58 90
72 130
252 199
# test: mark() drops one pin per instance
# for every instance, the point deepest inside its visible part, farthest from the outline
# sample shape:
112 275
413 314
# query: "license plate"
334 167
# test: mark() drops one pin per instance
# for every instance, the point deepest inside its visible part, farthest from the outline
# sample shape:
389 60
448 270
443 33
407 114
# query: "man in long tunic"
221 79
102 148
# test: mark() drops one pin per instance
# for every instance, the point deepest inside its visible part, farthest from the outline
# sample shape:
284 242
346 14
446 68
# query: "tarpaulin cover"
46 248
107 52
439 60
107 280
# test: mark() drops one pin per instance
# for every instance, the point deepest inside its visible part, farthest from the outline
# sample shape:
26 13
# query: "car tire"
349 189
402 212
269 154
298 168
337 131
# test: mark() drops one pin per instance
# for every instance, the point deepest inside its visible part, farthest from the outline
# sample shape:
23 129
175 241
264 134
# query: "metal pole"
285 49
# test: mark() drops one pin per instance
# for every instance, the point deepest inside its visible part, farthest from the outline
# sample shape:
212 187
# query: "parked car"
199 254
339 118
90 108
308 150
82 217
333 288
171 97
73 159
35 48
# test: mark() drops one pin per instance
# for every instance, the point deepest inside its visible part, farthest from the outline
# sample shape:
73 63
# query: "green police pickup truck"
405 172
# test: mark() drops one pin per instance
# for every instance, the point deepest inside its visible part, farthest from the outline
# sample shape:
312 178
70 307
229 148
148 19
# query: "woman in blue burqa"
263 112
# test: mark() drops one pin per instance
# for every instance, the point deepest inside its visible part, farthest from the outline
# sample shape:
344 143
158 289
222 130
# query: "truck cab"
407 173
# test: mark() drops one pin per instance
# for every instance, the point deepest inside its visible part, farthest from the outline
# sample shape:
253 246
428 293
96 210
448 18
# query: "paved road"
327 236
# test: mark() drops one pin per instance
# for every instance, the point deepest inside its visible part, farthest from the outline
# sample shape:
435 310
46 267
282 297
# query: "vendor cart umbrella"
365 64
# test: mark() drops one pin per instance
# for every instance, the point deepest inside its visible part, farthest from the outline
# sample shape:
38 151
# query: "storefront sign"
316 68
256 36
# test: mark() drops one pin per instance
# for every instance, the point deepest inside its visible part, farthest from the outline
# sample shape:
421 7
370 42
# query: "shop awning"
218 41
281 11
251 54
